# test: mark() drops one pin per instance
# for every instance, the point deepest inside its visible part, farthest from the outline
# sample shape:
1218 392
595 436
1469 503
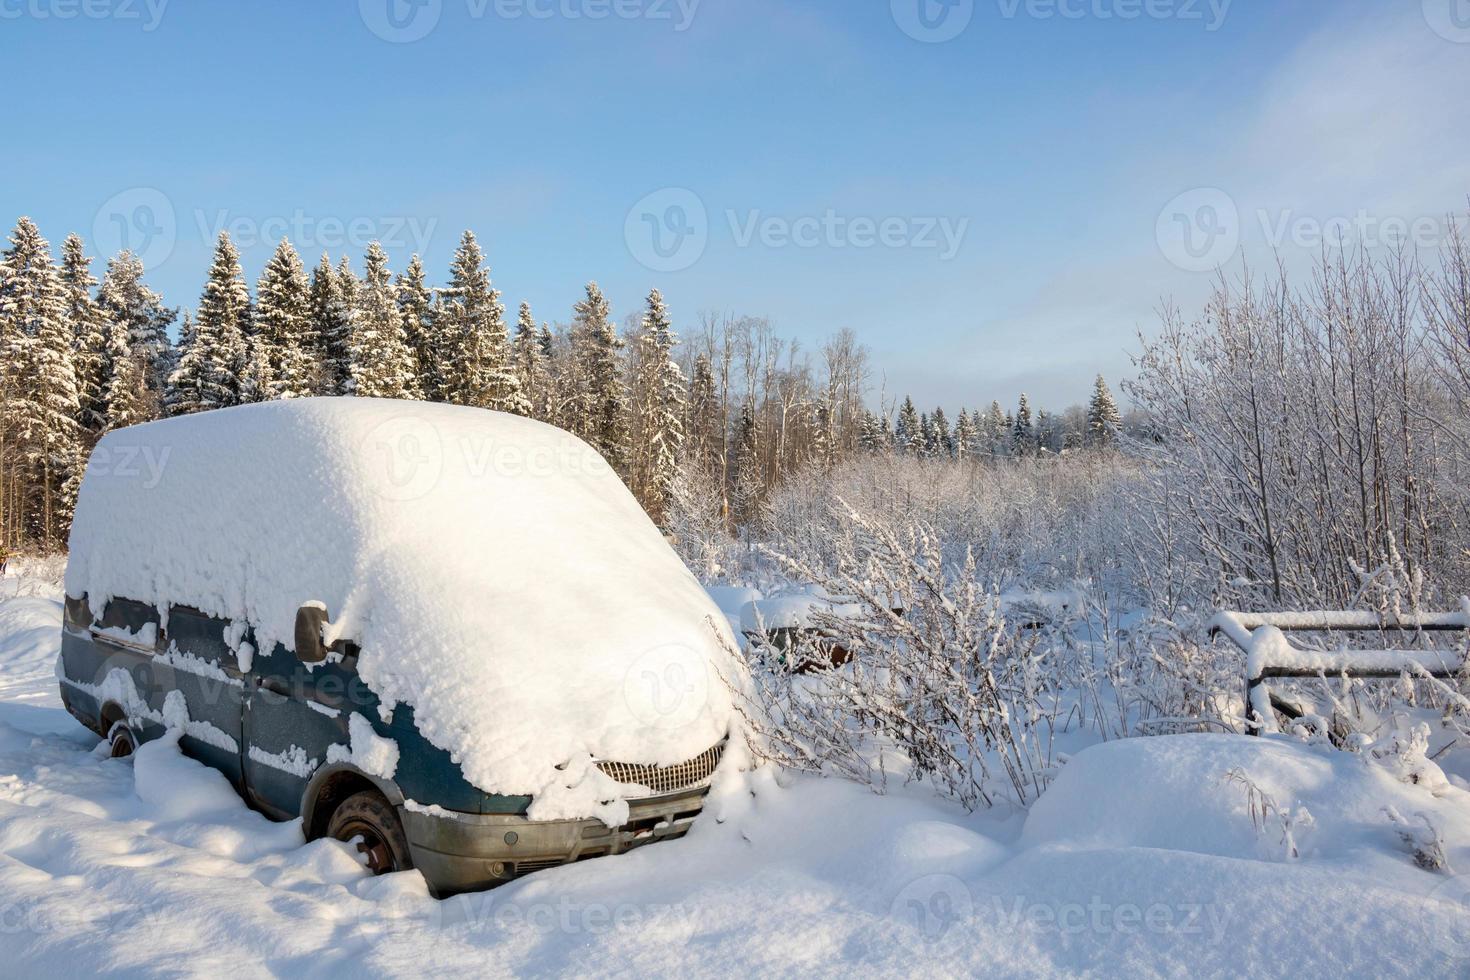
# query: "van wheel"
121 738
366 819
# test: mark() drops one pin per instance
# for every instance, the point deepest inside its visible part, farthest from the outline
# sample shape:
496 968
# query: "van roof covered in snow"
494 571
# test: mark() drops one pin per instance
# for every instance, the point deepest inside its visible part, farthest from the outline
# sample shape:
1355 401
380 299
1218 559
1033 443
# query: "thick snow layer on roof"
497 575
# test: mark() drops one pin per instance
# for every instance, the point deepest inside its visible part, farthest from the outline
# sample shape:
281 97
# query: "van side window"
129 615
201 635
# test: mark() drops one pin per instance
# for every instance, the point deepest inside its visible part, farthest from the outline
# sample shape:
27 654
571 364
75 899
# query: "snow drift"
496 573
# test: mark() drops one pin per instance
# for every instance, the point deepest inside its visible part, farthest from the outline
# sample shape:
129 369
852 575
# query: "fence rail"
1269 654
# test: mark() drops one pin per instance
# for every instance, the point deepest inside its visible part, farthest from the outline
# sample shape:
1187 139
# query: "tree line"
735 403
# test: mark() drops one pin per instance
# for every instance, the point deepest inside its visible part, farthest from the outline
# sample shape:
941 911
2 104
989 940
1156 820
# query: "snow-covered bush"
939 687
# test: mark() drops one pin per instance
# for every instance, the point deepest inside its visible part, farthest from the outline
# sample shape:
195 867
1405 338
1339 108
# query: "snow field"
1142 859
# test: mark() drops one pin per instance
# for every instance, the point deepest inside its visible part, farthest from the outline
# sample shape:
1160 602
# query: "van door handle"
274 686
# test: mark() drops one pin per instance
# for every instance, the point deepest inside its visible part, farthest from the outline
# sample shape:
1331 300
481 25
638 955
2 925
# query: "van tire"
120 738
368 819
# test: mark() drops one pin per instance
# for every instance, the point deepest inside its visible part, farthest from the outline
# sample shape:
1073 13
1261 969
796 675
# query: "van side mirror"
310 618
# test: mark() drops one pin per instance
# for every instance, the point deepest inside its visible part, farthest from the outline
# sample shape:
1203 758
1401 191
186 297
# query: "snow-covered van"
449 635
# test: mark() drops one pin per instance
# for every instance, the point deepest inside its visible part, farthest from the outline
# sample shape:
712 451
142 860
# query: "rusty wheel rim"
371 845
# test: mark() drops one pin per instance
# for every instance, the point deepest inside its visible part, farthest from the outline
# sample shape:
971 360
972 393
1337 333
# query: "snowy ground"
1141 859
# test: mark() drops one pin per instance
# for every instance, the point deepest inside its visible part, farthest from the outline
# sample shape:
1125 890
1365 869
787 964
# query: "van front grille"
667 779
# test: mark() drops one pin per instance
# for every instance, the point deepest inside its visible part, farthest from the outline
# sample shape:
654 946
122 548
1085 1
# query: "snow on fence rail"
1269 654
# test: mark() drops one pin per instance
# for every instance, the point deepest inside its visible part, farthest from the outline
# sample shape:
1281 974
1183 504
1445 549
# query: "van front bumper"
460 852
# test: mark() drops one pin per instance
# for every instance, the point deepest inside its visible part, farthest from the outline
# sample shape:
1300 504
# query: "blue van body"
279 728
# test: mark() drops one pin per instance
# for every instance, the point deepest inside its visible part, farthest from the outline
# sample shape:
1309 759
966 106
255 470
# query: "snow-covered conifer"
89 333
124 298
1103 418
283 328
471 324
908 434
656 410
39 387
599 415
416 308
379 363
1023 433
210 372
530 363
330 326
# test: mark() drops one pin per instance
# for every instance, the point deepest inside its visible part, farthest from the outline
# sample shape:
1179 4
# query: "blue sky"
994 212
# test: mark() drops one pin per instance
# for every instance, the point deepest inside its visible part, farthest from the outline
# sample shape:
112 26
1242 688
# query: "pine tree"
908 434
211 372
657 405
704 422
379 363
471 325
39 387
127 399
943 437
928 441
747 485
1023 434
124 298
600 396
89 333
869 434
416 308
997 431
1048 435
283 325
964 435
330 326
530 364
1103 418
